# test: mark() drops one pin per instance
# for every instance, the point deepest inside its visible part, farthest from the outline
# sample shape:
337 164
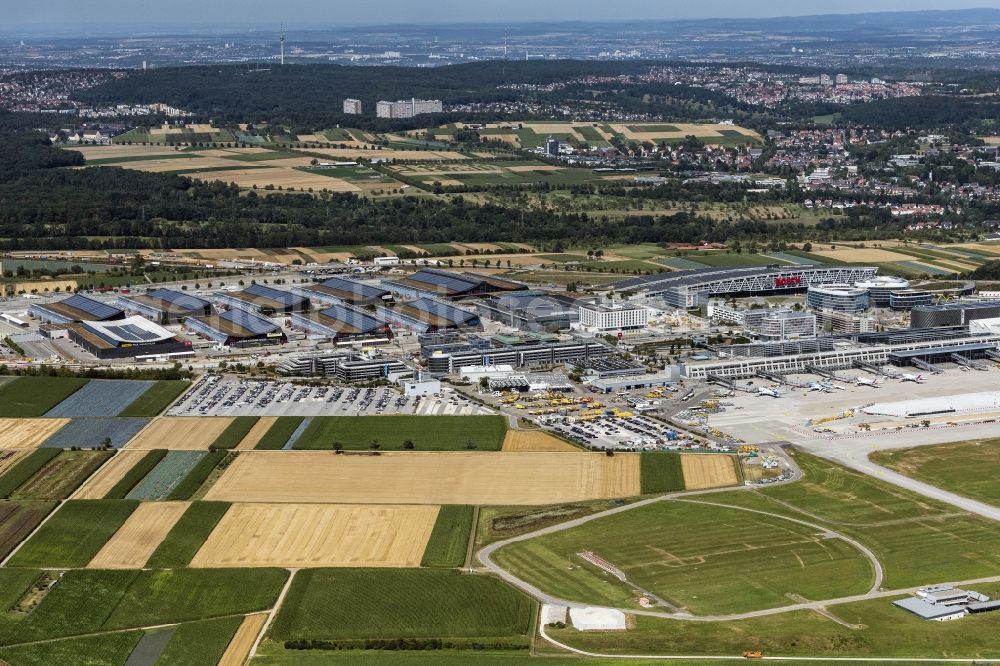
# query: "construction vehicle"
753 654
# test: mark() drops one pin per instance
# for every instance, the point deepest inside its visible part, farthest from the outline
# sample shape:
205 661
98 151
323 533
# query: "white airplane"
863 381
820 386
916 379
770 392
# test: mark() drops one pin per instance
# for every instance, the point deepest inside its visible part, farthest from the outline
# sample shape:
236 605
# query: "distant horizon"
23 20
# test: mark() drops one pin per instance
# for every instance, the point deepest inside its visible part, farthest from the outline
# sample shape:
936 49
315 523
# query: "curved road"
485 558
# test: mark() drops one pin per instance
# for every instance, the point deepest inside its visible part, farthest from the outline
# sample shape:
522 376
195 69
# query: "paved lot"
230 396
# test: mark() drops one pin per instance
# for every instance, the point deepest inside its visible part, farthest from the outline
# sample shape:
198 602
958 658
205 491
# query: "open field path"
738 657
271 614
485 558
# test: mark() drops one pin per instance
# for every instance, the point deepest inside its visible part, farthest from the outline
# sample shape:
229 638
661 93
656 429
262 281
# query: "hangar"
126 338
237 328
263 300
75 308
165 306
342 323
342 290
446 284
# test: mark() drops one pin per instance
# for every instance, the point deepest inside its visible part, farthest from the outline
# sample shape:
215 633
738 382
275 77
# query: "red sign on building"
794 281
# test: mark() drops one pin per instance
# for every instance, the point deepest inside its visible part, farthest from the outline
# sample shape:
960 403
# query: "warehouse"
75 308
165 306
341 323
263 300
126 338
530 310
958 313
236 328
342 290
445 284
426 315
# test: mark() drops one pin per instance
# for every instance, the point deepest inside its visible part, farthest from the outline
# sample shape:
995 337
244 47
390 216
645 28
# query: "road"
853 453
485 558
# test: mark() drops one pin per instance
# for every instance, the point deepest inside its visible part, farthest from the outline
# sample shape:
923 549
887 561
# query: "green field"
660 472
197 643
33 396
179 595
967 468
886 631
197 476
25 468
188 534
234 432
157 397
706 559
358 604
90 601
78 603
918 540
449 540
136 474
61 475
723 259
74 534
622 266
279 432
101 650
274 655
428 433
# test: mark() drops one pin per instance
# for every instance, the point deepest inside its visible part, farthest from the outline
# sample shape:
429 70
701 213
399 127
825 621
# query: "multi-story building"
838 298
958 313
609 318
781 324
407 108
352 106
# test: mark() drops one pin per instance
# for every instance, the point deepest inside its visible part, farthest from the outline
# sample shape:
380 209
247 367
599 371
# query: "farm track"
485 555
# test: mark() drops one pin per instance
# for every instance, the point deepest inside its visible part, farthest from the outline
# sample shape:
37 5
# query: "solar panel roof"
96 309
178 298
358 289
283 297
256 325
439 309
353 318
441 279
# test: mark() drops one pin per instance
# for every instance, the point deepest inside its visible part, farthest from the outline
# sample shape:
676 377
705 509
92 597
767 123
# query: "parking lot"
230 396
629 433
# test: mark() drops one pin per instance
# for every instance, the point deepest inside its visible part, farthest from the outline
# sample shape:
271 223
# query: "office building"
838 298
958 313
407 108
611 318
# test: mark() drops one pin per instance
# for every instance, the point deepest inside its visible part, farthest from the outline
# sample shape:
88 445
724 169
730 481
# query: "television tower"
282 40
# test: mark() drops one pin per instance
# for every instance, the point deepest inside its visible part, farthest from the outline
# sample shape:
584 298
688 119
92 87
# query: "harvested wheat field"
442 477
109 475
862 254
10 458
391 154
139 536
709 470
528 440
191 161
27 433
239 647
318 535
278 177
181 433
258 430
122 150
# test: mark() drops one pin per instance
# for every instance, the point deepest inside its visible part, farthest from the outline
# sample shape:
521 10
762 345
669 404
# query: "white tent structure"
964 403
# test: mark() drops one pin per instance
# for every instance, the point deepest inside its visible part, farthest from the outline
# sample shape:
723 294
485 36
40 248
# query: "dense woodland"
45 206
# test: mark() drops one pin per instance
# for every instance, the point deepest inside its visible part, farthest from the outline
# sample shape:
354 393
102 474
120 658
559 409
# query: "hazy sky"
312 13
